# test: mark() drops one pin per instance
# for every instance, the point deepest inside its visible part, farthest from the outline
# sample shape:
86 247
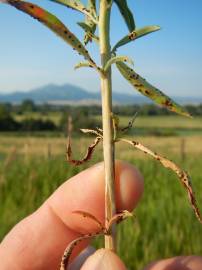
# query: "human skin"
38 241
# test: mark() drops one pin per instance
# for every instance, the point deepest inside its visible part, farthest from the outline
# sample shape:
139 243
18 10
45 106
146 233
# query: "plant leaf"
135 35
119 217
68 251
87 156
182 175
126 13
83 64
92 132
91 25
84 26
116 59
77 5
53 23
148 90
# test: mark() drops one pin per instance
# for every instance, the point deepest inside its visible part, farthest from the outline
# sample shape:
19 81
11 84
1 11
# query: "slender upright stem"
108 140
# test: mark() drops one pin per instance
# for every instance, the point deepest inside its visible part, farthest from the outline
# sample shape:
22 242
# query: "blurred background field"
33 165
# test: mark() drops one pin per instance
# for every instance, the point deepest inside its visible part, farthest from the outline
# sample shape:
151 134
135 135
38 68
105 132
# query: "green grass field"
32 168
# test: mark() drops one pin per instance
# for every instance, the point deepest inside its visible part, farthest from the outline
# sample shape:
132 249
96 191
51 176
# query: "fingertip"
103 259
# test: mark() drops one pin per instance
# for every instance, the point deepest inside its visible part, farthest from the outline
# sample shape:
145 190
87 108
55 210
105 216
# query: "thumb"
103 259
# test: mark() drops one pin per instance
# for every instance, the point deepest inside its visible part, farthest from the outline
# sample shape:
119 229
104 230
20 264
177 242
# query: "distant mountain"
71 94
65 94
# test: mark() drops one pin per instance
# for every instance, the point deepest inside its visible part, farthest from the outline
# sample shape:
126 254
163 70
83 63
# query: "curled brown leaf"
182 175
87 156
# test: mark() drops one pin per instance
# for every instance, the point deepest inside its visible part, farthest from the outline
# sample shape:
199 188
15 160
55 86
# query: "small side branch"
182 175
117 218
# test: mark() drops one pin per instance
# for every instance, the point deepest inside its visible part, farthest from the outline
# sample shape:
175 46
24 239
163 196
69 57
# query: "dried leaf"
87 156
53 23
89 216
92 131
182 175
72 245
126 13
148 90
119 217
116 59
136 34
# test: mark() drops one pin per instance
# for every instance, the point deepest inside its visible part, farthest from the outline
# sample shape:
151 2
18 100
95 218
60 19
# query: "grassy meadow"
31 168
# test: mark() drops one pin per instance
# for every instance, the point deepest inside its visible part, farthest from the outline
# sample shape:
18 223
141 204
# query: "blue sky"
171 59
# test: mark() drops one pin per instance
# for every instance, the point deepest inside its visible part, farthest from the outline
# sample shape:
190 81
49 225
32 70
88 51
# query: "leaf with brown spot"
182 175
68 251
92 131
119 217
77 5
83 64
87 156
115 59
149 90
135 35
53 23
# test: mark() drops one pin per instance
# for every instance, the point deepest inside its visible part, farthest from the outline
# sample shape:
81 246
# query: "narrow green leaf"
116 59
148 90
126 13
77 5
53 23
136 34
83 64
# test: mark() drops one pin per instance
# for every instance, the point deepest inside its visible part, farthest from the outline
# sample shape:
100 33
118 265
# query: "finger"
85 192
103 259
39 240
178 263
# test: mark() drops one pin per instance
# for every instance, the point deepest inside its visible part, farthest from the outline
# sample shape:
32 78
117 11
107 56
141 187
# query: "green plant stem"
108 139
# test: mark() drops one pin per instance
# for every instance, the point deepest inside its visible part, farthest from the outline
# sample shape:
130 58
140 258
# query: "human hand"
38 242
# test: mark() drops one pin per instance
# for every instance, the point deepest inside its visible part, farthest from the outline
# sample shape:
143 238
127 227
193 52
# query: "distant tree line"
82 116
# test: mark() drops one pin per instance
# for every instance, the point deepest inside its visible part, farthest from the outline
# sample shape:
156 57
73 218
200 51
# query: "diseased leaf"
90 23
116 59
182 175
148 90
83 64
89 216
135 35
68 251
92 131
53 23
126 13
89 36
92 7
77 5
87 156
119 217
